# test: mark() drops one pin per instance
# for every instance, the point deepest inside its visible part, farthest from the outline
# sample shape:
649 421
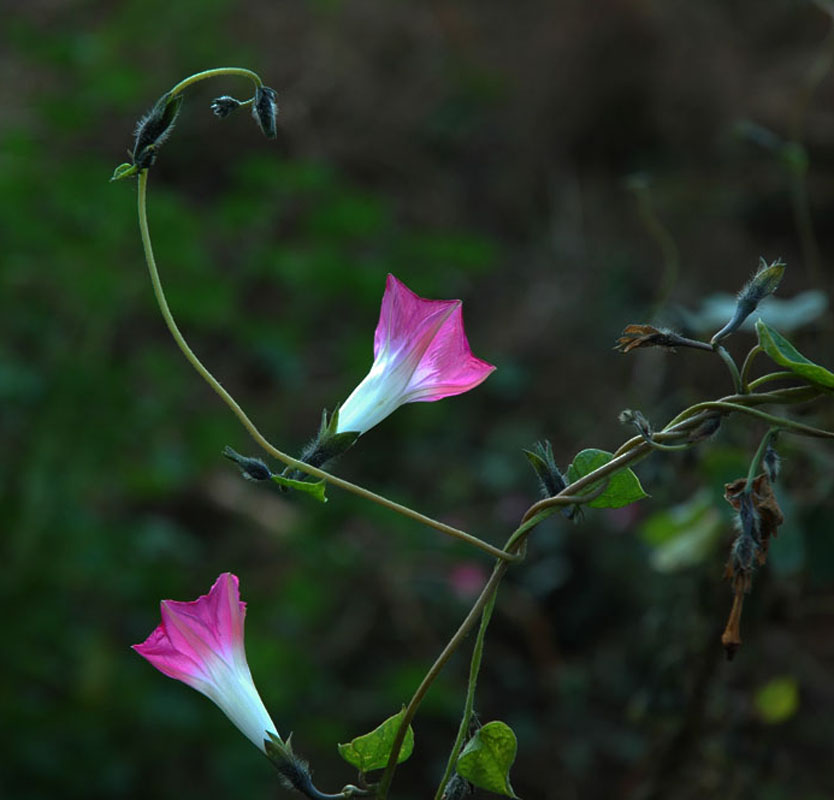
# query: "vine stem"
731 365
771 376
247 422
772 419
745 367
217 72
469 705
757 458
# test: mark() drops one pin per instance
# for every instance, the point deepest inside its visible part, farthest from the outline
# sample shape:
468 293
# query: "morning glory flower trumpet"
421 354
201 644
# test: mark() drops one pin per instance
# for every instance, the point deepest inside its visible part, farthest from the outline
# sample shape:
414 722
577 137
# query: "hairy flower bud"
763 283
551 480
636 418
153 129
253 469
225 105
265 110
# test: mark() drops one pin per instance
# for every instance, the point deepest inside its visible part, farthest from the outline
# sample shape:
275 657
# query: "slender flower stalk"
201 644
421 354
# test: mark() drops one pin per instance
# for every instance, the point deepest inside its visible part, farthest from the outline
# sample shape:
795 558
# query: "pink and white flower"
421 354
201 644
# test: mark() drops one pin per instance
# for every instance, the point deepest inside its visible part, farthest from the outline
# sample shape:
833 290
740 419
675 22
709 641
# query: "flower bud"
153 129
543 463
551 480
225 105
763 283
265 110
636 418
253 469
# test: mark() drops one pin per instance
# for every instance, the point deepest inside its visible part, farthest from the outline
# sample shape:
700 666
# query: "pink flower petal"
421 354
407 320
201 644
448 367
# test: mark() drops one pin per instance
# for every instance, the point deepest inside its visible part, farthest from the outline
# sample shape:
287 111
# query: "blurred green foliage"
476 154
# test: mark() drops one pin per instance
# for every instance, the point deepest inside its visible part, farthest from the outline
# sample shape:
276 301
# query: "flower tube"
201 644
421 354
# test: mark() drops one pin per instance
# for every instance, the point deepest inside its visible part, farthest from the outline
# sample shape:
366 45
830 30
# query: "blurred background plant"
478 152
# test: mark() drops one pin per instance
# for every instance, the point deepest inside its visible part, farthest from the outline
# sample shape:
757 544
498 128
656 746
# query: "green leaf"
786 355
623 486
372 750
487 758
777 700
316 489
123 171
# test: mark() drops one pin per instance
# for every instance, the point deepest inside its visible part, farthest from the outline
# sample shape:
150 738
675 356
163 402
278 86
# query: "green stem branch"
771 376
745 367
217 72
469 705
731 365
757 458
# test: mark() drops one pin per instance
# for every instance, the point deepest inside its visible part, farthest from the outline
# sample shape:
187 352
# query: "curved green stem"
771 376
757 458
250 426
792 394
779 422
745 367
731 365
217 72
469 704
667 448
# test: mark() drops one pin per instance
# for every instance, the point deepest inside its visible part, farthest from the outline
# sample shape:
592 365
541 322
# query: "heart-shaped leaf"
372 750
623 486
487 758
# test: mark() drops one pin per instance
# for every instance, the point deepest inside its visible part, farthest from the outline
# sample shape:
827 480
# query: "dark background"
547 162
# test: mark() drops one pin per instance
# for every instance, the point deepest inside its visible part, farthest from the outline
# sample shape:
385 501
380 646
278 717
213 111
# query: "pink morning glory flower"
421 354
201 644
